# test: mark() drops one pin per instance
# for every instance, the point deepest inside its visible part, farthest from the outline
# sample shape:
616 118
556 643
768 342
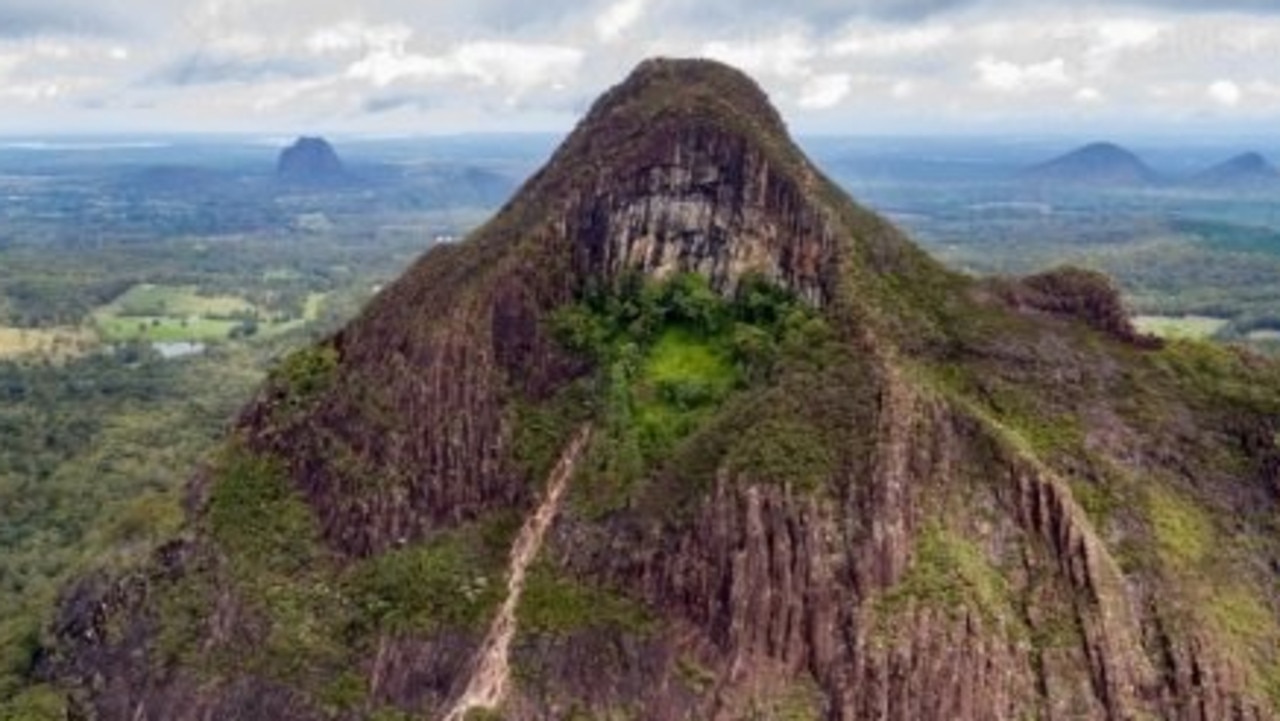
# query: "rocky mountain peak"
687 167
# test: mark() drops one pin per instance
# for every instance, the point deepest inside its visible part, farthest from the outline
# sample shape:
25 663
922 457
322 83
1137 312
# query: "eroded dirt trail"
491 673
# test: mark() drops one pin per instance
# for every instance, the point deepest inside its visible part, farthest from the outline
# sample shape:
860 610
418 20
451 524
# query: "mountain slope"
826 478
1096 164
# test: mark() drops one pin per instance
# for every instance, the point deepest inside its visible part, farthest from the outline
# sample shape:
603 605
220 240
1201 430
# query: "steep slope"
1249 170
1105 164
826 478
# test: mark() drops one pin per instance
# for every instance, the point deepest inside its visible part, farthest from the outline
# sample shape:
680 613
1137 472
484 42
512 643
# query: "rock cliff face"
940 498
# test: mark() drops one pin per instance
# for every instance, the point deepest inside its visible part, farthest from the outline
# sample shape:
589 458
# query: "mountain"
310 161
1249 170
686 433
1095 164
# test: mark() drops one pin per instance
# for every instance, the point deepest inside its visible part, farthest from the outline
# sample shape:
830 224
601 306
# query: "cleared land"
179 313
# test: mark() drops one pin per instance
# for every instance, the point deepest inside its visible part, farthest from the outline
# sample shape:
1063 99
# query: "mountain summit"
1095 164
685 433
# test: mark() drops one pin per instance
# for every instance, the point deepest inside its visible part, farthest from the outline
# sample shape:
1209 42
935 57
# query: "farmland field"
168 314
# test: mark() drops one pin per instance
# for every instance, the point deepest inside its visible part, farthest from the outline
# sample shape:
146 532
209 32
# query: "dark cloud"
710 14
202 69
21 18
1258 6
389 103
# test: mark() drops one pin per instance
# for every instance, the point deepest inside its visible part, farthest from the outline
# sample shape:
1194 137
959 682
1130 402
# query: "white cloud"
882 42
351 36
825 91
785 56
1123 33
617 18
1088 96
1226 93
516 67
1008 77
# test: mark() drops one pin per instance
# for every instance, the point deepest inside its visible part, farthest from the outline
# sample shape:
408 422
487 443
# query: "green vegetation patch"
452 581
542 430
1184 533
951 573
257 517
305 373
788 451
672 357
557 604
1252 632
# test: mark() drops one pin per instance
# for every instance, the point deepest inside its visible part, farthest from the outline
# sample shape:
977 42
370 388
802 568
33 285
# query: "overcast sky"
439 66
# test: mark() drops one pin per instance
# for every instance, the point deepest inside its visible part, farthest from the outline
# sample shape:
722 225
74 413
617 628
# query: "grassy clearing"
1193 327
163 329
146 299
682 357
170 314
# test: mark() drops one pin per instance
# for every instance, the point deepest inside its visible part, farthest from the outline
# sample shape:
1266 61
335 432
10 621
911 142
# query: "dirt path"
491 673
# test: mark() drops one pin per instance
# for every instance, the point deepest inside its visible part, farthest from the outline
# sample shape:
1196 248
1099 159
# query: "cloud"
1007 77
616 18
825 91
883 42
1088 96
1225 92
202 69
516 67
787 55
23 18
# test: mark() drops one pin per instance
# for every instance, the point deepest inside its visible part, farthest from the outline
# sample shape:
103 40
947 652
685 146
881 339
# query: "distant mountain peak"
310 160
1098 163
1249 169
